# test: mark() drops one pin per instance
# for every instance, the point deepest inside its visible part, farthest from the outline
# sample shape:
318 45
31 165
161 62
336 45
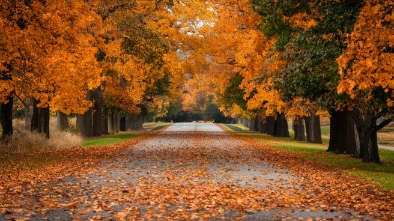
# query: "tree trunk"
110 121
104 124
30 102
299 129
116 121
128 122
251 124
367 132
40 119
313 133
263 126
342 133
6 118
61 121
98 103
366 127
281 126
122 126
270 125
256 124
85 123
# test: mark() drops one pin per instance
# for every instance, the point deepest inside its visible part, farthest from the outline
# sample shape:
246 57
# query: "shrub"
24 140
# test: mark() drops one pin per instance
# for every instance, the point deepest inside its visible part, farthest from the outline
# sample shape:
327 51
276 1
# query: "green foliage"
233 93
312 71
275 15
212 112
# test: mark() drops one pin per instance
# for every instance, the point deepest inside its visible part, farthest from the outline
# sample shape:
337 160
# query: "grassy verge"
110 139
382 174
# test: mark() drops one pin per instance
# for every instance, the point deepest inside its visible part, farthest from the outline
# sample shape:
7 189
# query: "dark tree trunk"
137 122
365 128
256 124
110 120
128 122
367 132
6 118
29 105
98 104
299 129
263 126
251 124
270 125
61 121
104 124
281 126
122 126
85 121
116 121
141 122
342 133
40 119
313 133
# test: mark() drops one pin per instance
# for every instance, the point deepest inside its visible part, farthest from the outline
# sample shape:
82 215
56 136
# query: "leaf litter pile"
189 176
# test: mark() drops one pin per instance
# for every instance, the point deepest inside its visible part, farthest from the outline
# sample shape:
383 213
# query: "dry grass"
24 141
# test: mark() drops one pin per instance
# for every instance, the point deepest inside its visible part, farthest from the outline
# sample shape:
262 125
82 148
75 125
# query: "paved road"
190 171
194 126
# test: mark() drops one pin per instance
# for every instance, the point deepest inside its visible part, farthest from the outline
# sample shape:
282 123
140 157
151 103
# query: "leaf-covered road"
192 171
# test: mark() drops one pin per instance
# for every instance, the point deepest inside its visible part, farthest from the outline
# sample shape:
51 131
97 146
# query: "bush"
24 140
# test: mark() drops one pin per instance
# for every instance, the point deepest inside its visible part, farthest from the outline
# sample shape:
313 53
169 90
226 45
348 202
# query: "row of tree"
262 60
299 59
99 59
333 56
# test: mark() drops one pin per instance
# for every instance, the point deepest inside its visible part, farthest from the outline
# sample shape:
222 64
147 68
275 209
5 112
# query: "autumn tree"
133 59
310 35
50 48
366 71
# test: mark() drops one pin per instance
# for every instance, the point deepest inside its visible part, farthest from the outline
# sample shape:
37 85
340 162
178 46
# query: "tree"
45 44
6 119
310 36
366 70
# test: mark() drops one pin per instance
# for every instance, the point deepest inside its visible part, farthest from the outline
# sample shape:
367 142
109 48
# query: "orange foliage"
368 59
49 51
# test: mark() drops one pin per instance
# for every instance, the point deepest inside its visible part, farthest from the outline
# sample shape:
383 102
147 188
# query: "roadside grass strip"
110 139
383 173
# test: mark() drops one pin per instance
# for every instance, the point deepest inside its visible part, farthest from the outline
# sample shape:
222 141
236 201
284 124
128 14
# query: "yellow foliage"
365 62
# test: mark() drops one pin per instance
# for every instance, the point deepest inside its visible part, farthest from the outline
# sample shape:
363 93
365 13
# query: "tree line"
314 57
100 60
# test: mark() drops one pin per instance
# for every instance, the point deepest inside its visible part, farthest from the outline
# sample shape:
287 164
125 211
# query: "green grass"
325 130
110 139
382 174
105 140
